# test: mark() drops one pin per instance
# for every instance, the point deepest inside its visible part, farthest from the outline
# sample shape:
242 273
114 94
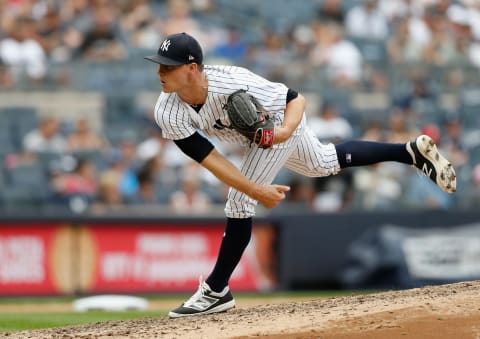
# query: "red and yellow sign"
25 262
115 258
167 258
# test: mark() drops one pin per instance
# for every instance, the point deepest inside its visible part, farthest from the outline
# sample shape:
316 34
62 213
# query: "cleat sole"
446 176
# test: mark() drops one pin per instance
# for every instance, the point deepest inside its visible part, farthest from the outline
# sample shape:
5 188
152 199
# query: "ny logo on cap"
165 45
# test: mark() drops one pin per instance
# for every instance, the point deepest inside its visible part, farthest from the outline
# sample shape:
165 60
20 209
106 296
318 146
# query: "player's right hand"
270 195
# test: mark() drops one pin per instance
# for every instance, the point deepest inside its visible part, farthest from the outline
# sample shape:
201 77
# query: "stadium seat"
24 120
373 51
17 122
119 108
22 200
31 175
7 144
470 107
26 185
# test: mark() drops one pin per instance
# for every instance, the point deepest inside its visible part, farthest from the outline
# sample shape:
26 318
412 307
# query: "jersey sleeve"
173 118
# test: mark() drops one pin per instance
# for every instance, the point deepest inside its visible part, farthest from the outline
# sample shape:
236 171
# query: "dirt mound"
446 311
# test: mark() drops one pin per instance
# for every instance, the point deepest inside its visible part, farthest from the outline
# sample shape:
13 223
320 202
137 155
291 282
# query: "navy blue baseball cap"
178 49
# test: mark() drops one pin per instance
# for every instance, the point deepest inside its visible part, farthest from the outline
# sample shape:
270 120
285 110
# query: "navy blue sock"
363 153
235 240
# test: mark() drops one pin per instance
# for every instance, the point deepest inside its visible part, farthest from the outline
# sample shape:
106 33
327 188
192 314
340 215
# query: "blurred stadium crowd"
381 70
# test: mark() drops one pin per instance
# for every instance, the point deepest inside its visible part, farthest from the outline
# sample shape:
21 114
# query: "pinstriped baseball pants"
302 153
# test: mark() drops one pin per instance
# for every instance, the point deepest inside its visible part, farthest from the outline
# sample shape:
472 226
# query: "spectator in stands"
301 193
375 187
109 196
331 193
46 137
122 162
441 47
77 14
421 195
6 78
452 143
366 21
331 10
166 159
233 48
148 176
473 10
103 41
151 166
329 125
179 18
341 58
419 25
471 197
84 138
419 100
22 53
146 193
466 50
271 56
394 9
49 31
164 163
139 24
121 172
302 39
401 46
77 19
189 198
474 53
398 126
374 131
152 146
82 181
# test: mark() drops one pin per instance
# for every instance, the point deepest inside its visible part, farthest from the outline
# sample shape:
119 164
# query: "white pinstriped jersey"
178 120
302 152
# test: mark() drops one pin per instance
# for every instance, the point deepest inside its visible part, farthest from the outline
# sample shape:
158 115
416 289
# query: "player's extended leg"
422 152
213 295
314 159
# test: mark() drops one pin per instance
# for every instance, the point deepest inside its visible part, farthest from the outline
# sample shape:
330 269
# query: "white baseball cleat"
205 301
428 159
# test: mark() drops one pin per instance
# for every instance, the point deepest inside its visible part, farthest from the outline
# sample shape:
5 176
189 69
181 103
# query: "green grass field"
26 321
21 318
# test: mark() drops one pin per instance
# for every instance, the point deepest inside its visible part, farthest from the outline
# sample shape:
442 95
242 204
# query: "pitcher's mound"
445 311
